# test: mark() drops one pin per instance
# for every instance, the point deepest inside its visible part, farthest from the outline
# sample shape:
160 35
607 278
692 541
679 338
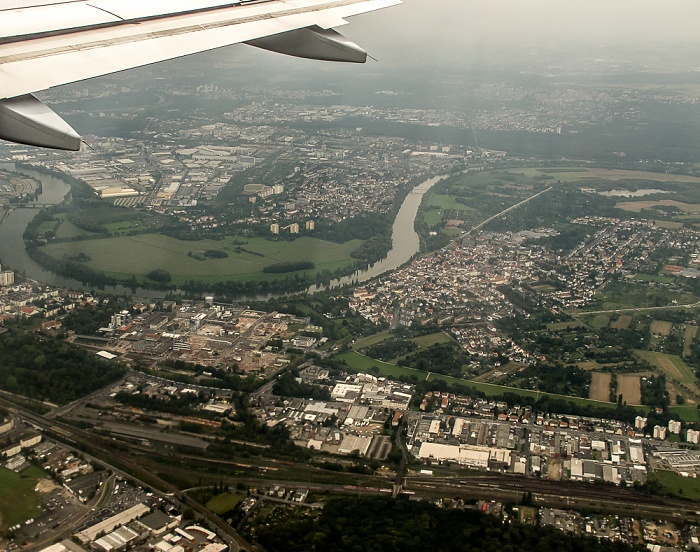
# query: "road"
511 208
95 450
639 309
72 522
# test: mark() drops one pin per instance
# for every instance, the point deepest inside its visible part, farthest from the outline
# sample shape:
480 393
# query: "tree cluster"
49 369
385 525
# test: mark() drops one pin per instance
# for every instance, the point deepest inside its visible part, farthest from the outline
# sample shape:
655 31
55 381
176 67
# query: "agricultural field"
600 386
588 365
558 326
622 323
619 174
688 336
572 174
146 252
629 386
363 363
631 295
639 206
18 501
659 327
674 368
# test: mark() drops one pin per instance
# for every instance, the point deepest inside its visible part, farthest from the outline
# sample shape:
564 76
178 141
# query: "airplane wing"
47 43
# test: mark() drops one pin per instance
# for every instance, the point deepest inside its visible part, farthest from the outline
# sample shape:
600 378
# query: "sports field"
147 252
432 339
18 501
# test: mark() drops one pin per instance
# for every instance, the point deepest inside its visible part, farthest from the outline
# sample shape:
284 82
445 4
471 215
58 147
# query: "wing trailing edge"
47 43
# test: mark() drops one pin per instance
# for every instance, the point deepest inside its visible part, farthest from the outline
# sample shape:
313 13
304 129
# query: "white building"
674 426
692 436
659 432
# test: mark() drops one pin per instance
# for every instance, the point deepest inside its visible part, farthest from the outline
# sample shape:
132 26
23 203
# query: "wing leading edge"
42 46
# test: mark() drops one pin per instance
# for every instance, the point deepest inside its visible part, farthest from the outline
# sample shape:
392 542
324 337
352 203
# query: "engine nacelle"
26 120
313 43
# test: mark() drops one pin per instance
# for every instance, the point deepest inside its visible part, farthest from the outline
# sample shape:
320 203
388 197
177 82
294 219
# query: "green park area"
223 503
677 485
18 501
237 260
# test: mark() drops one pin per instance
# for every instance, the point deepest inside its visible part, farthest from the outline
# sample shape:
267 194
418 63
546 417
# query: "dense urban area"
203 351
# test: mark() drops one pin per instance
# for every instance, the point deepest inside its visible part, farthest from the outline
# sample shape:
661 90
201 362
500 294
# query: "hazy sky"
543 36
445 39
474 26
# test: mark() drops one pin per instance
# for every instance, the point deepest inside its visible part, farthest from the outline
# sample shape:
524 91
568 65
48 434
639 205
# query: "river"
405 242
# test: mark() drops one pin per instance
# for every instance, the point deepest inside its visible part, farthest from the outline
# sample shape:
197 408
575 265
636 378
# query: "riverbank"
404 245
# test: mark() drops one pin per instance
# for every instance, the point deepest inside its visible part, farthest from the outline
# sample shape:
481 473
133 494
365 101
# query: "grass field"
572 174
147 252
619 174
432 217
224 502
686 413
18 501
445 201
668 224
671 365
628 385
556 326
68 230
653 278
660 327
425 341
600 386
372 340
685 487
600 321
688 336
638 206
